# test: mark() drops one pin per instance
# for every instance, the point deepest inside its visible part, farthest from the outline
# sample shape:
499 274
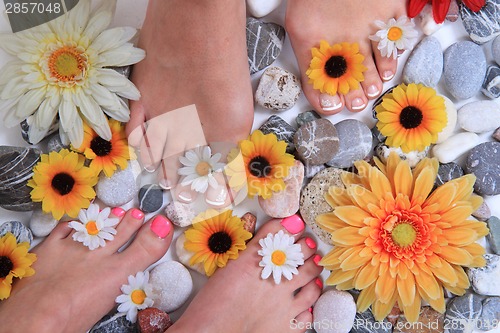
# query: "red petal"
474 5
415 7
440 9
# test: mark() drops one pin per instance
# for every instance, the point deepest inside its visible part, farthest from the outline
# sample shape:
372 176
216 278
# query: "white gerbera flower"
136 295
62 69
280 256
199 167
94 227
394 36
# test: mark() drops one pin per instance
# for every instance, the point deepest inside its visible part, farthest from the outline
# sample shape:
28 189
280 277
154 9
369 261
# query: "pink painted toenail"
317 258
387 75
319 283
293 224
358 104
310 243
137 214
372 91
310 309
329 102
161 226
118 212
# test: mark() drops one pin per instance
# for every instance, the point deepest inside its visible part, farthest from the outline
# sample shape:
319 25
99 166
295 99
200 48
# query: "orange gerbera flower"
338 68
396 241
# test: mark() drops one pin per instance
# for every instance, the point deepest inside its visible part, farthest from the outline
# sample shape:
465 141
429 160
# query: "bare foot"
237 299
336 21
74 287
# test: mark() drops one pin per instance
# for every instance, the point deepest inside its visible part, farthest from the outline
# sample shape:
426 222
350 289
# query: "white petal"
30 102
15 88
124 55
11 70
75 133
122 298
122 114
11 43
94 115
113 38
100 19
117 83
78 18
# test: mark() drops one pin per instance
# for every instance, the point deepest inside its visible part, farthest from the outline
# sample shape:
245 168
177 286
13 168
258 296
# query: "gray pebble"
278 89
316 142
413 157
491 84
486 280
306 117
355 143
264 43
283 130
425 63
462 313
124 70
484 25
494 235
490 316
42 224
118 189
484 162
150 198
495 50
22 233
172 285
116 323
379 137
55 143
447 172
496 134
483 212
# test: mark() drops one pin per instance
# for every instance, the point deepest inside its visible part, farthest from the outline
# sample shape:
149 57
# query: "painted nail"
118 211
185 197
217 196
319 283
317 258
372 91
293 224
137 214
161 226
150 168
329 102
387 75
310 309
165 184
310 243
358 104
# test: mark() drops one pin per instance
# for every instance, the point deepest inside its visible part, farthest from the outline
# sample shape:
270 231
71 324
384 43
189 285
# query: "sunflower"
338 68
106 155
15 261
215 238
396 241
411 117
62 68
62 183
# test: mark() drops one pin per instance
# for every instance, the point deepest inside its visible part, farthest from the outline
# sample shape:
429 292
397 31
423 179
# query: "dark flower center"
6 266
220 242
411 117
260 167
100 146
63 183
336 66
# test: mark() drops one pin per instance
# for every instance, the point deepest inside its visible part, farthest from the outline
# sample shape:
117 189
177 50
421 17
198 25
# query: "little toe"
386 66
356 100
301 322
307 272
308 295
130 222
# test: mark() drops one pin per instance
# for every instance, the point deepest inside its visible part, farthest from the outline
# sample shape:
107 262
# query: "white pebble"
334 312
118 189
479 117
451 113
172 285
455 146
42 224
184 255
486 280
278 89
427 23
260 8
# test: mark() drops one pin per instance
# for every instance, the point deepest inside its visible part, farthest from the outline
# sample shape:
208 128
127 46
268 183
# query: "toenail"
387 75
329 102
319 283
137 214
358 104
372 91
317 259
150 168
217 197
310 309
293 224
118 212
310 243
186 197
165 184
161 226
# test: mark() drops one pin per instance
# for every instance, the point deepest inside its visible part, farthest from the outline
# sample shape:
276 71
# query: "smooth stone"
462 313
494 235
490 316
305 117
483 213
447 172
42 224
316 142
484 162
429 321
425 63
54 143
491 84
413 157
278 89
451 116
25 129
172 285
153 320
365 323
427 22
249 222
495 50
312 170
455 146
118 189
260 8
496 134
264 43
479 117
150 198
184 255
484 25
379 137
19 230
453 14
337 308
180 214
313 202
464 69
486 280
285 203
283 130
123 70
116 323
355 143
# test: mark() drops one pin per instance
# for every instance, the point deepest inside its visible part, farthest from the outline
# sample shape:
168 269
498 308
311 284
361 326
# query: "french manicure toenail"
329 102
137 214
118 211
165 184
317 259
372 91
217 197
310 243
387 75
319 283
150 168
161 226
293 224
185 196
358 104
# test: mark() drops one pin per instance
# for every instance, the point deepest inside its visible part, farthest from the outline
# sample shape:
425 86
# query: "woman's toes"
300 323
331 104
308 295
130 222
307 272
386 66
294 225
135 127
61 231
356 100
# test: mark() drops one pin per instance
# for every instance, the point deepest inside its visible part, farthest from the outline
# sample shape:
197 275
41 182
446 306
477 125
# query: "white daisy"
62 69
136 295
94 227
280 256
199 168
394 36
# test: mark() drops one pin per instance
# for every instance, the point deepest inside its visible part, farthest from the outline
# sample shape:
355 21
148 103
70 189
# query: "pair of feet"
74 287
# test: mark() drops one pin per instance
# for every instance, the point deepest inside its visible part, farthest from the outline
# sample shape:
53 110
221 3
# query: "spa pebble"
42 224
336 308
180 214
447 172
464 69
153 320
427 22
484 162
490 316
365 323
285 203
172 285
479 117
496 134
451 116
264 43
312 170
413 157
486 280
466 307
491 84
22 233
429 321
25 129
453 14
54 143
150 198
283 130
495 50
118 189
483 212
278 89
379 137
184 255
114 323
249 222
494 235
316 142
305 117
355 143
260 8
425 63
482 26
454 147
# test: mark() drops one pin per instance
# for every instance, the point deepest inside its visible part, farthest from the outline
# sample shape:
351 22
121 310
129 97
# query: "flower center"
278 257
404 234
220 242
203 168
91 227
138 296
6 266
100 147
260 167
63 183
67 64
336 66
410 117
394 33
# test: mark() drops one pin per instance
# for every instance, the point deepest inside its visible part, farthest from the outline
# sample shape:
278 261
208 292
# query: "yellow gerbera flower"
411 117
215 238
15 261
396 241
62 183
106 155
338 68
